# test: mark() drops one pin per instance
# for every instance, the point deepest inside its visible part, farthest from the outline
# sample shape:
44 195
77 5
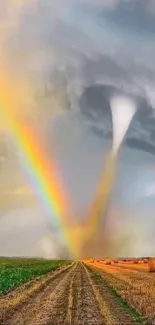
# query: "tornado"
123 108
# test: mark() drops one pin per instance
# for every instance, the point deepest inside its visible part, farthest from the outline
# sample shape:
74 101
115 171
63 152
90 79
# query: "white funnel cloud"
123 109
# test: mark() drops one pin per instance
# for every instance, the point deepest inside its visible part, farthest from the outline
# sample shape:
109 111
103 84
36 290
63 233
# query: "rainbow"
42 173
99 205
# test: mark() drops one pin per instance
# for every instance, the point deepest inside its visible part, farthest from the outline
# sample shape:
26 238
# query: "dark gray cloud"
133 16
140 144
75 41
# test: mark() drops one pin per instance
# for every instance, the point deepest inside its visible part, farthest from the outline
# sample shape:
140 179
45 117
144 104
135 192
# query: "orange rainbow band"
99 206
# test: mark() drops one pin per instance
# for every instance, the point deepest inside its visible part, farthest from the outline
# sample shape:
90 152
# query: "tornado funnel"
123 109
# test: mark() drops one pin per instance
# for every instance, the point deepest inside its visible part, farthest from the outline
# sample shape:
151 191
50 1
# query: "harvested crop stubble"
111 307
136 288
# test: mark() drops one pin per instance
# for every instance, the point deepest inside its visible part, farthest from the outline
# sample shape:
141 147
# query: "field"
16 272
41 292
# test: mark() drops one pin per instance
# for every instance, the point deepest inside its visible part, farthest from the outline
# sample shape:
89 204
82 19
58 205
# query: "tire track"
53 307
70 302
85 309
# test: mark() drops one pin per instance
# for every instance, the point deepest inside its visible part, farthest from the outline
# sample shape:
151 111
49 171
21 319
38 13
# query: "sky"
70 57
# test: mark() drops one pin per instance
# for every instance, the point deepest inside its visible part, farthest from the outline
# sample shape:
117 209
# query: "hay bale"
115 261
145 261
135 262
151 264
108 262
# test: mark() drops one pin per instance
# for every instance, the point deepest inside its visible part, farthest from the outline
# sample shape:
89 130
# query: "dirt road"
73 295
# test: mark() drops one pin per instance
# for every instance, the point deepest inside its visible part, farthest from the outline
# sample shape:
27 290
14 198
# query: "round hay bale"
91 261
151 264
135 262
108 262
